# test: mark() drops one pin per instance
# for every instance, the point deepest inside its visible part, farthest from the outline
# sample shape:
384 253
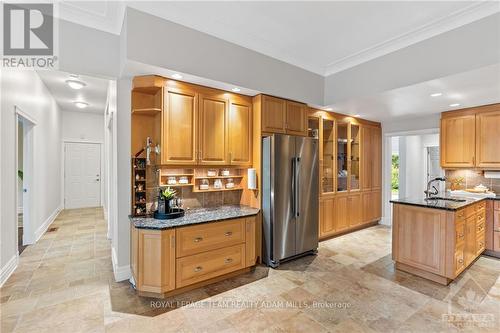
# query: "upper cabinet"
458 141
282 116
191 124
213 140
179 132
488 139
469 138
240 133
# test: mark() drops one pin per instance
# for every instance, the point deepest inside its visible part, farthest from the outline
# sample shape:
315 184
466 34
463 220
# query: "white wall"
83 126
24 89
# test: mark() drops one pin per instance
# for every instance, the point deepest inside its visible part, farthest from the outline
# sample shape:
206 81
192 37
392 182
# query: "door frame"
63 168
387 165
29 125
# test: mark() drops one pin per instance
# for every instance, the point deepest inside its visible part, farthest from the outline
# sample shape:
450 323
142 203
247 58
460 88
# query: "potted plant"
165 200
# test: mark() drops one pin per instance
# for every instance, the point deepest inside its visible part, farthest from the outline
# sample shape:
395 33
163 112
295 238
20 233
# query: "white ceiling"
94 93
478 87
322 37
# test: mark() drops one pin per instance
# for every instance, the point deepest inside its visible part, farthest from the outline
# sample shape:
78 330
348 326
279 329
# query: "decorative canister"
230 183
211 172
224 172
218 183
204 184
171 180
183 180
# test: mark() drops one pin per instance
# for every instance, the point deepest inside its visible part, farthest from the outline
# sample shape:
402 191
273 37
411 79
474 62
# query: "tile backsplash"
472 178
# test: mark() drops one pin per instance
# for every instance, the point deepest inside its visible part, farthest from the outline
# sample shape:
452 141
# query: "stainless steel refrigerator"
290 197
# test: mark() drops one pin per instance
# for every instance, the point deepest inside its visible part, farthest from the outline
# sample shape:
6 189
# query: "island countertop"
195 216
442 204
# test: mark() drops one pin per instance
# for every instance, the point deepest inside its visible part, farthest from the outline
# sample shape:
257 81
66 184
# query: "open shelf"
220 177
146 111
197 190
176 185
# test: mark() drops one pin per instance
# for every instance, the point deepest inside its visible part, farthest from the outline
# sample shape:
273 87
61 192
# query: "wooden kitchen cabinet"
212 134
282 116
251 247
327 217
179 131
354 210
296 118
488 139
470 240
371 206
341 214
240 133
376 158
458 141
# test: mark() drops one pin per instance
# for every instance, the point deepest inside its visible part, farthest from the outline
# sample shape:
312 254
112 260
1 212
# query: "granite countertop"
442 204
195 216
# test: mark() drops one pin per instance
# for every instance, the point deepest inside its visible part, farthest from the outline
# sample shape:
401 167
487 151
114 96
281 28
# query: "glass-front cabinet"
354 157
328 168
342 156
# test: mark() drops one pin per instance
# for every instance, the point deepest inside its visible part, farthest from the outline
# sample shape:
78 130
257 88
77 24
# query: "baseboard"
41 230
121 273
386 221
9 268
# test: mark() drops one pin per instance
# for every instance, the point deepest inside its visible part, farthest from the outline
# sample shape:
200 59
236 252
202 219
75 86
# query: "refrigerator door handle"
296 195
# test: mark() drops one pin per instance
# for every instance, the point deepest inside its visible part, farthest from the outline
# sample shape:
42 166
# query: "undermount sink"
445 199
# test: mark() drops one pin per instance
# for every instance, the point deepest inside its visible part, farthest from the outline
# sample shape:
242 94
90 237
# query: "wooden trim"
420 272
358 227
471 111
343 117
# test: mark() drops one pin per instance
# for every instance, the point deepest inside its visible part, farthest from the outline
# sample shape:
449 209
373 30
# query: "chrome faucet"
428 192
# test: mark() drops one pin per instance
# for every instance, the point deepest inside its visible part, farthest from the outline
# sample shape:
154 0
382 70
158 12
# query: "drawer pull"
198 239
198 269
228 233
228 260
481 244
460 261
461 236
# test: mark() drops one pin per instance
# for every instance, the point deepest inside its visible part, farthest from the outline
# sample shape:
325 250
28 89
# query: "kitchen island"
206 245
438 239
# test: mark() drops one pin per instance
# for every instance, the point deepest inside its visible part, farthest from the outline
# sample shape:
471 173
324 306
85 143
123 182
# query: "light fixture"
436 94
357 116
328 109
454 104
75 84
177 76
81 105
235 89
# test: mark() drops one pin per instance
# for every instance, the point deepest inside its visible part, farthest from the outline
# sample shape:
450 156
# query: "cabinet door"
212 145
240 133
250 241
179 127
376 158
354 210
341 216
296 118
273 114
156 260
458 141
327 218
366 158
470 239
488 139
354 157
328 157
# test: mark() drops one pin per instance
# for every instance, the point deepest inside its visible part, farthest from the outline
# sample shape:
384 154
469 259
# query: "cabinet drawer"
481 205
459 260
207 265
205 237
497 204
480 227
470 210
459 233
460 215
480 244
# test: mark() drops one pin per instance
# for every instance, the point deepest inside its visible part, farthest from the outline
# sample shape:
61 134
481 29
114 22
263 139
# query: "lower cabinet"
165 260
342 212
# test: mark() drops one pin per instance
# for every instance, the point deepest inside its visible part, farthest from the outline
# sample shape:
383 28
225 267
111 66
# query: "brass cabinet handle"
461 236
460 261
228 233
228 260
198 239
198 269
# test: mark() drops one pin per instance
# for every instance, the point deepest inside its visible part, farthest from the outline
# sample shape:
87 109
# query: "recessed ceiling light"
455 104
235 89
177 76
436 94
81 105
328 109
75 84
357 116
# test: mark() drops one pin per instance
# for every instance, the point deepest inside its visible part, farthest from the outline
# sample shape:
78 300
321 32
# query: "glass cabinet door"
313 127
328 156
354 158
342 158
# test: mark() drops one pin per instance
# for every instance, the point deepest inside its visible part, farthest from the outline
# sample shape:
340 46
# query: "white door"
82 175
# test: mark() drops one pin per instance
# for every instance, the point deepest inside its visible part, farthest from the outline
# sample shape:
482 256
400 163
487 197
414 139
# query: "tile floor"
65 283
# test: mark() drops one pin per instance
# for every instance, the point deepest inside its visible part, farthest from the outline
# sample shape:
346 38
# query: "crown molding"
452 21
